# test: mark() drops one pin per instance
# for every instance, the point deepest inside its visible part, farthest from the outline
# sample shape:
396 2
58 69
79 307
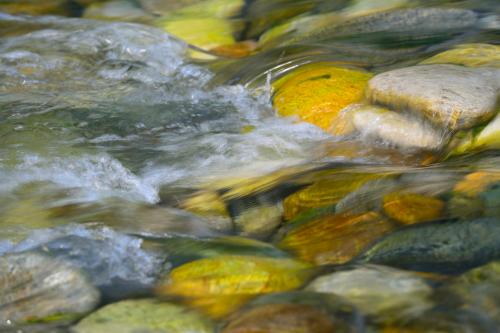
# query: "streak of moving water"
115 110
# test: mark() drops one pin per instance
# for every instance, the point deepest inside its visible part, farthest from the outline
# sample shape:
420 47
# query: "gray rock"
378 290
448 246
114 262
424 24
452 96
36 289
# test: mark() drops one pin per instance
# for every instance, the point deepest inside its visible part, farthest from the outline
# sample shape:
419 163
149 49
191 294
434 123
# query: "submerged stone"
402 27
162 7
115 263
117 10
36 289
264 14
443 320
145 315
325 192
379 291
487 138
212 207
368 7
441 247
343 314
182 249
222 284
260 221
470 55
282 318
335 239
450 96
206 24
317 92
476 182
393 128
411 208
236 50
308 25
476 291
206 33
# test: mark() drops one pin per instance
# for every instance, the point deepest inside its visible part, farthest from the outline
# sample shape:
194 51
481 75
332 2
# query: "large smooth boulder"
450 96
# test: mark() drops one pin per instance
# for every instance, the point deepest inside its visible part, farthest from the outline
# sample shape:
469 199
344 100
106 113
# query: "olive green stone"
470 55
146 316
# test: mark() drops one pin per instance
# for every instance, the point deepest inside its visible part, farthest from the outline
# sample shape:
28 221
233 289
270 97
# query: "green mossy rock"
470 55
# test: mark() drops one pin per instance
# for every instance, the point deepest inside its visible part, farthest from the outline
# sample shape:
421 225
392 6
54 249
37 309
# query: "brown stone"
281 318
335 239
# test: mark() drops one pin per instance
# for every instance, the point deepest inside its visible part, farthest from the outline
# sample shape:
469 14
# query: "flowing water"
116 144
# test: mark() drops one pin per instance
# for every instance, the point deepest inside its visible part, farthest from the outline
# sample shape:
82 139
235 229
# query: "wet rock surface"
39 290
447 246
448 95
378 291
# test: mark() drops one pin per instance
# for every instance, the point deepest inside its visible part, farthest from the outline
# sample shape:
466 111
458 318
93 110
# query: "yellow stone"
206 25
475 183
471 55
316 93
411 208
325 192
220 285
335 239
206 203
211 8
206 33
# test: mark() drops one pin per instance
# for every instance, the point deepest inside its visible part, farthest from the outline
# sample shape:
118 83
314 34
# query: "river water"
109 129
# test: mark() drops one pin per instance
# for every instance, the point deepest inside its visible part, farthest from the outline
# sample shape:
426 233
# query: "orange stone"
476 182
325 192
281 318
335 239
236 50
411 208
